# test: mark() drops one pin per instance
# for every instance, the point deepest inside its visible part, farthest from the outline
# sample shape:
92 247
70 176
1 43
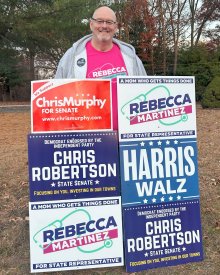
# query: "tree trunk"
32 68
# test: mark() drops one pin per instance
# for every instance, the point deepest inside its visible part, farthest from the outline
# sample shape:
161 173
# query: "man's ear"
116 28
91 24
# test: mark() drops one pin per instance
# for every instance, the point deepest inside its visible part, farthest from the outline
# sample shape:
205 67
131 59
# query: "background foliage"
211 97
172 37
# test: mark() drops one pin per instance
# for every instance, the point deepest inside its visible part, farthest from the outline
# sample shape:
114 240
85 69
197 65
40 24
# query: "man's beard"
104 36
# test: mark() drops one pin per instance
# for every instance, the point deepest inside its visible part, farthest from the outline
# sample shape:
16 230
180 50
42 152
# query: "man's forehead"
104 13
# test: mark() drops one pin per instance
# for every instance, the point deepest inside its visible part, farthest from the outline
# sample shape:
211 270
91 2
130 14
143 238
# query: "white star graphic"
167 142
97 182
53 184
145 200
162 199
178 197
142 143
151 143
154 200
184 249
176 141
170 198
146 254
159 142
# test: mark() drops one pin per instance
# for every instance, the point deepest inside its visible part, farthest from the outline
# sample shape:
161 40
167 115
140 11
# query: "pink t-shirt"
108 64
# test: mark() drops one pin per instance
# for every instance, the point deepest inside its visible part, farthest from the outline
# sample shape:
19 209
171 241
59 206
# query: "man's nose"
104 23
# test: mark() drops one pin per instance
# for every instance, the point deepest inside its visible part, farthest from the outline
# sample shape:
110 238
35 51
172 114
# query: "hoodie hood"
125 47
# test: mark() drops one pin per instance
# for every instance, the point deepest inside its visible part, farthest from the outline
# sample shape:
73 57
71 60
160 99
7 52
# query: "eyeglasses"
101 22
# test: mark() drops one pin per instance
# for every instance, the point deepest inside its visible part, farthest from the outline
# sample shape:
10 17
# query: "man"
99 55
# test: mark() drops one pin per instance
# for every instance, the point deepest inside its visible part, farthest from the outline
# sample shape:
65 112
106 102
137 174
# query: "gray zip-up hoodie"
73 64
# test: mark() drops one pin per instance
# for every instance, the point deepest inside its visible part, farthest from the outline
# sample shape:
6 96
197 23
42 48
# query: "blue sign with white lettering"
73 165
161 235
157 171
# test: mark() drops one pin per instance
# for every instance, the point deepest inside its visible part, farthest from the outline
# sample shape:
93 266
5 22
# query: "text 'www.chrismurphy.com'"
71 118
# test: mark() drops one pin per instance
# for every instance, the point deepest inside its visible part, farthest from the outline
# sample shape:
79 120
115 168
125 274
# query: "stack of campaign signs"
159 171
75 203
78 197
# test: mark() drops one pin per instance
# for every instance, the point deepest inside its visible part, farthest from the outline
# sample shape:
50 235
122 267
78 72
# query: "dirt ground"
14 197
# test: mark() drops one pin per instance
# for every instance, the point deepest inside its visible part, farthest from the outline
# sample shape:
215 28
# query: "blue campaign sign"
73 165
162 235
158 171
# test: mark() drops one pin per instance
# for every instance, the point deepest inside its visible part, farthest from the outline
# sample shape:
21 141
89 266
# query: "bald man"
100 55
